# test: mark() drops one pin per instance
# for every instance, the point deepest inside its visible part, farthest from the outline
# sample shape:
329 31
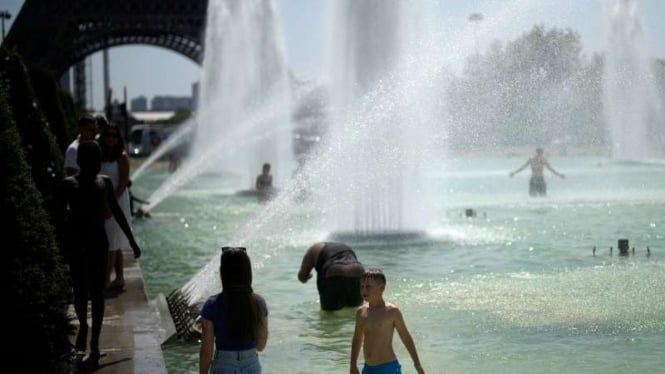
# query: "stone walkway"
130 337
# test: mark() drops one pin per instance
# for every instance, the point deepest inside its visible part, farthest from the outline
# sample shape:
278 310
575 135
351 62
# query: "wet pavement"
131 334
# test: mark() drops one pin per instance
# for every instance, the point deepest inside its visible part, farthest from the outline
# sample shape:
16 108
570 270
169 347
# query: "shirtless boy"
376 321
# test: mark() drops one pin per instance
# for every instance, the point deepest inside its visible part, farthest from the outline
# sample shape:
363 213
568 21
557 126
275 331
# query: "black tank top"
334 253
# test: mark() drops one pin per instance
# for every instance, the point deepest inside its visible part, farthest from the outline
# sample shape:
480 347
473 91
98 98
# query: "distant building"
139 104
171 103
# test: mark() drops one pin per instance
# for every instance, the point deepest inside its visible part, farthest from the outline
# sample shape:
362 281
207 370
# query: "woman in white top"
115 164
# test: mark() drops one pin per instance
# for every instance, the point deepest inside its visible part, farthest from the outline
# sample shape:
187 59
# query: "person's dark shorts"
537 187
339 292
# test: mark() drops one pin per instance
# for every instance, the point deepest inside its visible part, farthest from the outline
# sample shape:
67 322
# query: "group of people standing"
235 322
115 165
94 220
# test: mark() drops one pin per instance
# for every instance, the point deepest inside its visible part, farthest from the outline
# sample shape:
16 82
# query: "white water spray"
633 105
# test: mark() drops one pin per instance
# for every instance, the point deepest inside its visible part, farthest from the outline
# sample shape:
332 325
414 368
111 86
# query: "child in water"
376 321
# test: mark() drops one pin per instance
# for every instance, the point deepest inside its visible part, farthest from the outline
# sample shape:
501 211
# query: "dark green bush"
35 280
37 142
48 93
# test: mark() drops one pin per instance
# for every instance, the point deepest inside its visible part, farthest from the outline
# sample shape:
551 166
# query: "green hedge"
37 141
62 123
35 280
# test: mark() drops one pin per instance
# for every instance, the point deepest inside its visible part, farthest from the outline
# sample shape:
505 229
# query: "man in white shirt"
87 133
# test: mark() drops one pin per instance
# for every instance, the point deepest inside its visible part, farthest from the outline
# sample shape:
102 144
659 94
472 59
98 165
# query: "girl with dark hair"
115 164
235 321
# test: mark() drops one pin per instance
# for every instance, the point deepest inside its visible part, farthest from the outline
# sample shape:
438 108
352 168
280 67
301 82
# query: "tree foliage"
536 89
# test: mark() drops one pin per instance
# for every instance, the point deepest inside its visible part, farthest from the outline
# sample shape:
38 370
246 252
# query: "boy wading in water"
375 322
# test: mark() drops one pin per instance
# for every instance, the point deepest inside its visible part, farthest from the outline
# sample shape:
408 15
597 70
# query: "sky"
149 71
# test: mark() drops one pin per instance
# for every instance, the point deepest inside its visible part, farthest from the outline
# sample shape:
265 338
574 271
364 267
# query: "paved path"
131 333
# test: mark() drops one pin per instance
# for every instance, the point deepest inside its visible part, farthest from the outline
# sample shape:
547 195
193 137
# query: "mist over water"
514 288
366 177
382 117
243 120
245 76
387 127
633 105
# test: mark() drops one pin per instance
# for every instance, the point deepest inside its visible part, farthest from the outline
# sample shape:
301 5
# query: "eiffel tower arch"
59 34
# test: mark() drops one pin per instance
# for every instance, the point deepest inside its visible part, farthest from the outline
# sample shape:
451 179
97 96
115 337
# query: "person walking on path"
376 321
115 165
537 185
234 323
84 201
338 274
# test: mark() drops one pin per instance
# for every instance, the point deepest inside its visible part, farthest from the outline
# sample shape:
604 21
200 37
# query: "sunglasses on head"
224 249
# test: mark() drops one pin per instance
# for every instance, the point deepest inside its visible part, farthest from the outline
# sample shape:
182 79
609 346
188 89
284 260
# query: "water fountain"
633 104
365 181
243 119
245 76
378 127
368 181
509 289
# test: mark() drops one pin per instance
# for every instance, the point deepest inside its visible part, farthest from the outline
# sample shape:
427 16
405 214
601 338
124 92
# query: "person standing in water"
537 185
264 183
376 321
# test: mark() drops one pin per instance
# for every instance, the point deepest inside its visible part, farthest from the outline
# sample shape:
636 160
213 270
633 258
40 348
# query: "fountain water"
516 282
633 105
244 114
365 181
245 73
178 139
383 133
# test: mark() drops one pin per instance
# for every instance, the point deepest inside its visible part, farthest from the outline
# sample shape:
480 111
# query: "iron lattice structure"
59 33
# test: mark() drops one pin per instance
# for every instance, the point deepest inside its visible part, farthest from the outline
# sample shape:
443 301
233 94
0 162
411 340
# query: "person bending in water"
376 322
538 163
338 273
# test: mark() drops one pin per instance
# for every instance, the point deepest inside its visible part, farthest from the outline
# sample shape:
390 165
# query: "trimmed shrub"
35 280
48 95
38 143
